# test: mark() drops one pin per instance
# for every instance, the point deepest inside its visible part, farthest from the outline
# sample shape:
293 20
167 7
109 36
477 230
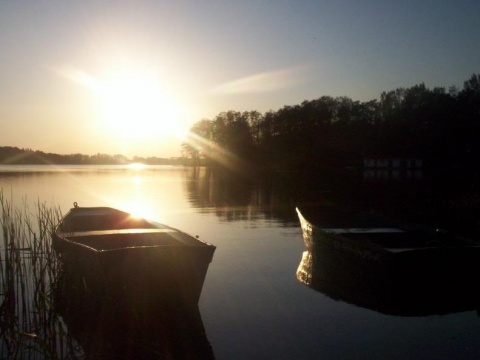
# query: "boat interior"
132 238
104 222
380 230
104 229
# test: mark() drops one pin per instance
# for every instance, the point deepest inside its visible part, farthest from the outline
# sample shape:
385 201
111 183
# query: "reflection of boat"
124 330
398 292
133 257
391 269
376 240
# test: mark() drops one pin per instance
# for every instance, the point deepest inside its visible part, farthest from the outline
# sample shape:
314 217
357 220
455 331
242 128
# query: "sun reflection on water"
137 180
140 209
136 166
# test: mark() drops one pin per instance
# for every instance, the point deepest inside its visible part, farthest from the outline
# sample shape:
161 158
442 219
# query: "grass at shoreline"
30 327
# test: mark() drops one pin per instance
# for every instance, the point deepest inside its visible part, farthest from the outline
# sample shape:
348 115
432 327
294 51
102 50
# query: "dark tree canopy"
442 127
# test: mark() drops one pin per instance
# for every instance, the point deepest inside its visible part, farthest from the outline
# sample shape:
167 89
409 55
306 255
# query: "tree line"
15 156
440 126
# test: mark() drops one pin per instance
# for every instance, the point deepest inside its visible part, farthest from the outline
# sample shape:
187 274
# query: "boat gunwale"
134 231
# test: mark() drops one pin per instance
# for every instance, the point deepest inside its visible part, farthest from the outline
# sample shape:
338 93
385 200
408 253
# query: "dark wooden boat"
131 259
378 240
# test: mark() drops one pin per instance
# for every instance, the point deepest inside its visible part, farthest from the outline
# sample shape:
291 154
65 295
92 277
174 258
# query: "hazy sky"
128 76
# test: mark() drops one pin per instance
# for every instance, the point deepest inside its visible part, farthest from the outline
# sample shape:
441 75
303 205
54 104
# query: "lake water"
252 305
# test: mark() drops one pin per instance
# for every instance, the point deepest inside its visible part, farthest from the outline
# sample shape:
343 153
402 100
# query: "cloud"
78 76
260 83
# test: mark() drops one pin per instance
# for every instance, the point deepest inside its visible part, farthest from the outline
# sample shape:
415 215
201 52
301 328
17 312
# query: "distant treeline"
15 156
440 126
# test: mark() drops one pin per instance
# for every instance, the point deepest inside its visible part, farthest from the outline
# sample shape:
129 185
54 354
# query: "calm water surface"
252 305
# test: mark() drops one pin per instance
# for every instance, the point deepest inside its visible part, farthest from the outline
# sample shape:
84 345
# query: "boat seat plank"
118 231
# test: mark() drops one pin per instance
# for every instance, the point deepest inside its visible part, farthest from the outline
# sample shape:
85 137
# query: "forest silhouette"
439 126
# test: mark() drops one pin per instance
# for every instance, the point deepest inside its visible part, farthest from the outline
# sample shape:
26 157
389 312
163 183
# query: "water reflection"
439 198
233 196
117 329
213 187
394 291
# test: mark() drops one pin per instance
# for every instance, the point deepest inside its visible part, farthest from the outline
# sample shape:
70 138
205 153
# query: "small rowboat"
376 239
123 256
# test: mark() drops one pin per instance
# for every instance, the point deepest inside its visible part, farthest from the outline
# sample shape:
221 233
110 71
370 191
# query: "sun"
136 106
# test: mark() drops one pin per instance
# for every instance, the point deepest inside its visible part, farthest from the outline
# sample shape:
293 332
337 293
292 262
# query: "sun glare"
137 180
136 166
139 209
135 105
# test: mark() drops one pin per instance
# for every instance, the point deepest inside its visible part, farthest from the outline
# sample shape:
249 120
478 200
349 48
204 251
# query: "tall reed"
30 327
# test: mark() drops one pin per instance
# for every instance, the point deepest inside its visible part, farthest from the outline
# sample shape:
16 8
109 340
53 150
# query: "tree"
231 131
199 143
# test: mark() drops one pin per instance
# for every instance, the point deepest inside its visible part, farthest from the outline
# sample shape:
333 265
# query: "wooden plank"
116 232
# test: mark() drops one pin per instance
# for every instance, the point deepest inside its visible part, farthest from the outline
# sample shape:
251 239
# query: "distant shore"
15 156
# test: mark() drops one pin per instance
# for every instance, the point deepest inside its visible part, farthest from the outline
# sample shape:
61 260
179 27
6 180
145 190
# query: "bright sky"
128 77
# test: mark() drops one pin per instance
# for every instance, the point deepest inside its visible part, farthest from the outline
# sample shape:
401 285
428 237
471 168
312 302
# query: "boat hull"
390 244
318 241
136 262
